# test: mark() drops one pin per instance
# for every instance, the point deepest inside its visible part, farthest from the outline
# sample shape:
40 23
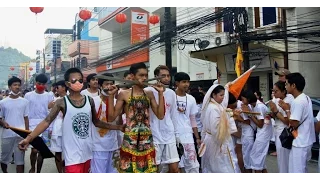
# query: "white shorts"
56 144
102 162
9 146
166 153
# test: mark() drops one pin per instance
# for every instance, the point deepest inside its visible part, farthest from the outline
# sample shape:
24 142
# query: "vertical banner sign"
37 66
139 27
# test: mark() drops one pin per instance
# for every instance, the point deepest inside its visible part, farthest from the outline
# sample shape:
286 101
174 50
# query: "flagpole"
253 67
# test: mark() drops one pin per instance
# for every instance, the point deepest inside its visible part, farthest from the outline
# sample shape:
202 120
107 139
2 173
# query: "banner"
139 27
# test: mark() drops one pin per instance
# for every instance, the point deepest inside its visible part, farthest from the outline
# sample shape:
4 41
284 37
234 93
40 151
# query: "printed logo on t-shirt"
182 106
80 125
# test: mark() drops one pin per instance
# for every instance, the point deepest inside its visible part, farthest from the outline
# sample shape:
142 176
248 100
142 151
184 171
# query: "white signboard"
139 18
258 57
199 76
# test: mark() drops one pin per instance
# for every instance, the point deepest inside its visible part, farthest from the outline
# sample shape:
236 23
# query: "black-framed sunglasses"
75 80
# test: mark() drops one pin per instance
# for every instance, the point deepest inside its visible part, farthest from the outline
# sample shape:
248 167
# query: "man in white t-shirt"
302 120
105 141
185 123
93 86
79 117
264 134
163 130
56 136
39 104
14 113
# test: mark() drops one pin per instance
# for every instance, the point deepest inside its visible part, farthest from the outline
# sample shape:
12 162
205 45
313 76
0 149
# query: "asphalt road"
50 167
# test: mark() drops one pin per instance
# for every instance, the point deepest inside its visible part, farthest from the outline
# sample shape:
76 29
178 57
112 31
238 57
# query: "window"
264 16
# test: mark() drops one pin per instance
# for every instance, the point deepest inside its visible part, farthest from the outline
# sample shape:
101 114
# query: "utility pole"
167 39
284 29
79 54
44 62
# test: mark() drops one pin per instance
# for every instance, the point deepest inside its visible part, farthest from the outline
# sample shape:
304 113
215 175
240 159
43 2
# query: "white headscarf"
223 128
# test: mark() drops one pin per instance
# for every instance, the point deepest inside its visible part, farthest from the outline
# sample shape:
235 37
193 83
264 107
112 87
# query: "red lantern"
30 68
85 14
47 68
121 18
154 19
12 68
36 10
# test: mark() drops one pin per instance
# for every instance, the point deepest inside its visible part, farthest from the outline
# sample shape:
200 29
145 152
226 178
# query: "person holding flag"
217 147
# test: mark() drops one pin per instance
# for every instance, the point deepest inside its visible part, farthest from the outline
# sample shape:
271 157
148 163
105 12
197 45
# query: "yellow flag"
239 61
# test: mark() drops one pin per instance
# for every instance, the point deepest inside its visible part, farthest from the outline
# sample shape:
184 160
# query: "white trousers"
189 159
102 162
247 143
282 155
298 159
258 155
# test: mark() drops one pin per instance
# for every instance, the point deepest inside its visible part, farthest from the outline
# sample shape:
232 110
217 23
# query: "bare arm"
115 110
158 109
285 120
97 122
258 122
43 125
26 122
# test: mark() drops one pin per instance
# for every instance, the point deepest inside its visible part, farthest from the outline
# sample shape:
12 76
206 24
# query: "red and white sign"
139 27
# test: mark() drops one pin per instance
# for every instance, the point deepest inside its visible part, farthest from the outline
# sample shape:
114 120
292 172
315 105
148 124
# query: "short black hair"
13 80
100 81
90 76
250 96
232 99
135 67
259 94
297 79
181 76
61 83
198 96
281 85
42 78
126 73
160 67
70 71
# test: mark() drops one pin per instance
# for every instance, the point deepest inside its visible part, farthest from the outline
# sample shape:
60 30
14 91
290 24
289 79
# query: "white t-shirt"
86 92
247 130
279 125
182 120
109 141
57 123
265 133
13 112
163 130
198 118
38 106
301 110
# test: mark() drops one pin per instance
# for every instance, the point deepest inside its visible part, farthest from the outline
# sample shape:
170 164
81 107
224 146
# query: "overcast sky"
21 29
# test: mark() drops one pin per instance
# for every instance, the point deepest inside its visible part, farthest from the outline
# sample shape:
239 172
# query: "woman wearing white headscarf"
216 133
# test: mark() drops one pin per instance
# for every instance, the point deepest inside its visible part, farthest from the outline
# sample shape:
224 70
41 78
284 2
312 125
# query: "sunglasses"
75 80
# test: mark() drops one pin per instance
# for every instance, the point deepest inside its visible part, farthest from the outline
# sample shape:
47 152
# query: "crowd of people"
106 129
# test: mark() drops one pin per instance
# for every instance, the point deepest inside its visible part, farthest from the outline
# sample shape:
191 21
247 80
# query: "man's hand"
273 107
112 90
236 113
245 107
5 125
159 87
198 142
122 127
23 145
284 106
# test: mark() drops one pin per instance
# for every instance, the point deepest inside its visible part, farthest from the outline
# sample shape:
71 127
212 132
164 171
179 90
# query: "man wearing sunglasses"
79 116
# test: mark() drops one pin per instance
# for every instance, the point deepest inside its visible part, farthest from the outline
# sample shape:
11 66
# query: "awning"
211 53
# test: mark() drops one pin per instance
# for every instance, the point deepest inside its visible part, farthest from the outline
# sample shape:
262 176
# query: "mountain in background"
10 57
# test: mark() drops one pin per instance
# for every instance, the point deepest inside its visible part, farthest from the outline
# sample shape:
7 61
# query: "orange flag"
237 85
239 61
